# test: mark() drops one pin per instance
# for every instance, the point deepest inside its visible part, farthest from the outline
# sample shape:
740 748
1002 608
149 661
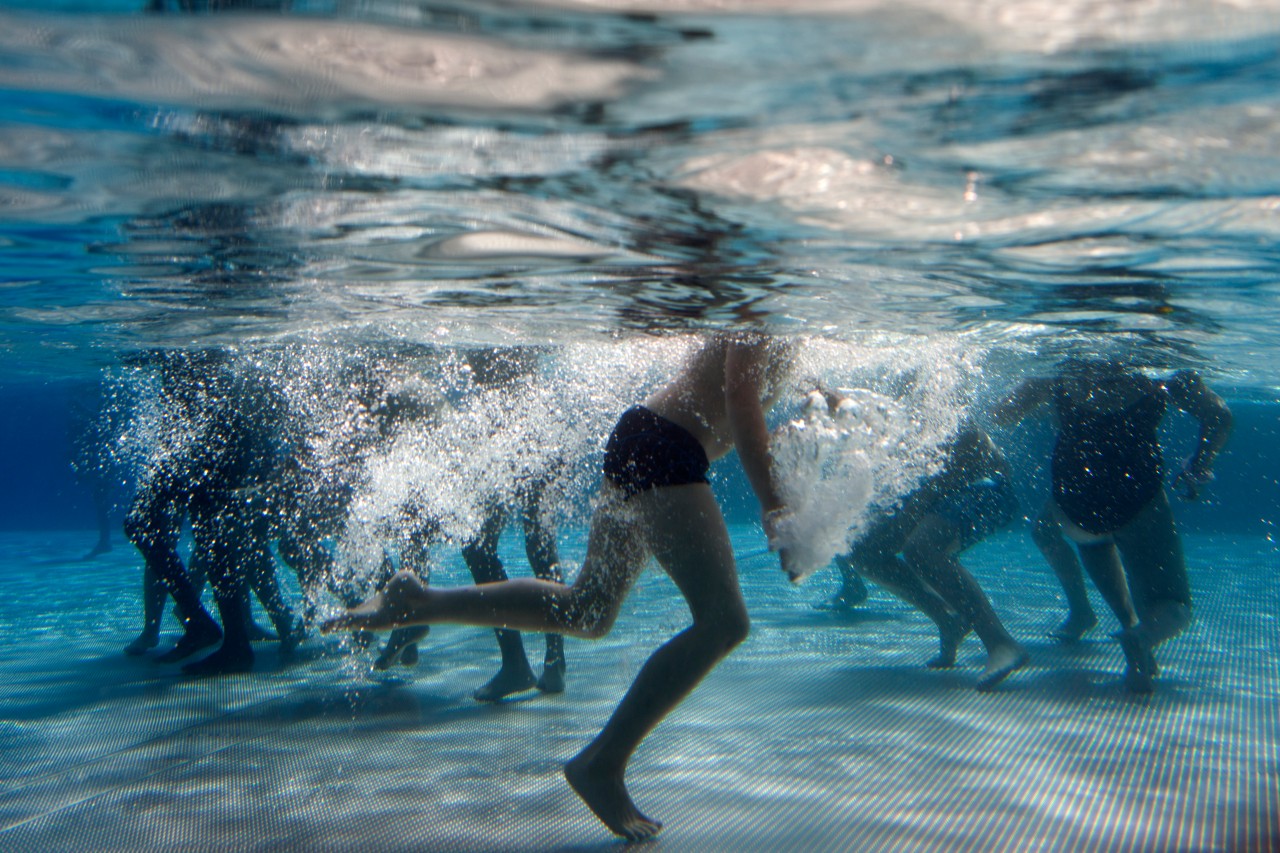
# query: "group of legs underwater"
1108 517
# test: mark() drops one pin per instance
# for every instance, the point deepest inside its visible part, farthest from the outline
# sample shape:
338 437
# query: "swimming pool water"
950 195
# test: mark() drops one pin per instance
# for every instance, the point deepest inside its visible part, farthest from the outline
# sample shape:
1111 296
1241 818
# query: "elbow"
1226 421
1217 426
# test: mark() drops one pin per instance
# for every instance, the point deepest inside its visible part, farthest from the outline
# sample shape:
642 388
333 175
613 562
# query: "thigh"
1152 553
481 553
978 510
616 554
540 545
884 536
686 532
935 534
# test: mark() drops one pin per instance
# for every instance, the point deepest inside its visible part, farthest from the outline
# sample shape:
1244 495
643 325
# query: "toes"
641 828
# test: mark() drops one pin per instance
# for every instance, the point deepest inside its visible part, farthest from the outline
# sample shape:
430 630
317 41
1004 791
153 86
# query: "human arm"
1024 399
750 378
973 455
1189 392
747 365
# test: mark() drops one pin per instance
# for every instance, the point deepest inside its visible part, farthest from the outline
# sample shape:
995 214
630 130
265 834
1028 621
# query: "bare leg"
152 526
544 559
415 556
1156 571
266 586
585 609
153 598
876 557
889 571
690 532
1061 557
930 551
481 556
401 647
1102 561
686 532
220 539
852 590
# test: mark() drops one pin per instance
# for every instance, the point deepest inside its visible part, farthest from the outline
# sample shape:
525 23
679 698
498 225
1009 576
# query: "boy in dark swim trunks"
1109 495
656 502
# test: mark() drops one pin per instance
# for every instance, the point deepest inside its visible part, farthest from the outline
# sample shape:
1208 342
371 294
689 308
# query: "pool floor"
822 732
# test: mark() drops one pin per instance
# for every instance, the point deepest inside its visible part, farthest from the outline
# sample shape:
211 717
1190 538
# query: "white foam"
898 401
824 477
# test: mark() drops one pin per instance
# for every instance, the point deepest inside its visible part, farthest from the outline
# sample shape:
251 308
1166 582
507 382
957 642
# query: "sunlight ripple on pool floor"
820 733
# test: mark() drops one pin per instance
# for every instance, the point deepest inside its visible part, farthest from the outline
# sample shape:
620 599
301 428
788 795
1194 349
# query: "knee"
735 630
725 631
585 610
590 620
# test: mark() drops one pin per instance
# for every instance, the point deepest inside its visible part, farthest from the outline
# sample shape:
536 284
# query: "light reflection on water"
554 172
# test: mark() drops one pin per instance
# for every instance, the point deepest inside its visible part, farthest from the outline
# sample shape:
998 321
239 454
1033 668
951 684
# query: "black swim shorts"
646 451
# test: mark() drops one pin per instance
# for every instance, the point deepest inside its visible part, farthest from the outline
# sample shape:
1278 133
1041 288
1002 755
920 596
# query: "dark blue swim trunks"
980 509
646 451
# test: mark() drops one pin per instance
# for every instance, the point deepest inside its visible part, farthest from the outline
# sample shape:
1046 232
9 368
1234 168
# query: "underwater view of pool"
297 295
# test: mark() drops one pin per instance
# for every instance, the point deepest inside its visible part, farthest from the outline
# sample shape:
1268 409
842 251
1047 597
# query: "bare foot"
1075 627
1140 674
222 662
293 637
198 636
950 635
552 679
146 641
1001 661
399 603
398 646
508 680
607 797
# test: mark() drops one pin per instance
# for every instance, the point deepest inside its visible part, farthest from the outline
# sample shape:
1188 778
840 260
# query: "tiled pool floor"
820 733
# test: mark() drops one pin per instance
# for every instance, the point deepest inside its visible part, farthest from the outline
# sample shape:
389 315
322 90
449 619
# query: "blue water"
961 191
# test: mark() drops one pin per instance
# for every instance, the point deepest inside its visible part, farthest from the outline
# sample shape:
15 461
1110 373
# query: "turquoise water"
934 199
